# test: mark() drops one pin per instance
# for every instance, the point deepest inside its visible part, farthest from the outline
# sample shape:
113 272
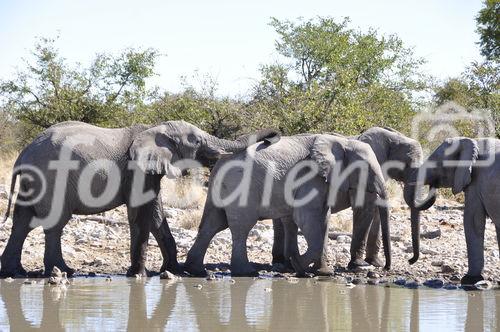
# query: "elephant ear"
153 151
362 152
327 152
468 152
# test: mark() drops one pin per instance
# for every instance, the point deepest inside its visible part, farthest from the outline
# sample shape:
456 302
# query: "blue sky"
228 39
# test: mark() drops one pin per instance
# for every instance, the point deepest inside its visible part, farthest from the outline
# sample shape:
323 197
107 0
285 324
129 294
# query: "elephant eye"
193 139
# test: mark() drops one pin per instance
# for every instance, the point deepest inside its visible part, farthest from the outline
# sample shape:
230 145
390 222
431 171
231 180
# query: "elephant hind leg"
214 220
11 257
474 226
53 251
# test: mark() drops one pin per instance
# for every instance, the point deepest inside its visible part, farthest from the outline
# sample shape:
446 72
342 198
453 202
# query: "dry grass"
6 162
190 219
183 193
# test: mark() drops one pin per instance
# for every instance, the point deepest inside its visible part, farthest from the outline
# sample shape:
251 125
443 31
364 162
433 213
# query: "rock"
400 281
373 281
434 283
428 251
483 285
343 239
335 235
198 286
437 263
432 234
9 279
4 194
449 286
357 281
447 269
91 274
372 275
57 277
168 275
412 284
98 262
268 290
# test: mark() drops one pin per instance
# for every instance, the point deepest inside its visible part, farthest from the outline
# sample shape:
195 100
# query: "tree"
478 87
488 27
48 91
334 78
200 105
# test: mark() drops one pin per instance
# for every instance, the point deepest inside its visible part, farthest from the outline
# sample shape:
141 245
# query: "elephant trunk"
409 194
386 236
219 146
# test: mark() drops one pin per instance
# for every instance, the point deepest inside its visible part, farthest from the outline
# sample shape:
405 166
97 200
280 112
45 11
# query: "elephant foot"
375 261
12 270
244 271
195 270
134 271
62 266
356 264
471 280
324 271
172 267
282 268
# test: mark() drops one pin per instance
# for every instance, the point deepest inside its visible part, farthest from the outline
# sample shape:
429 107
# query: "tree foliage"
48 90
488 27
334 78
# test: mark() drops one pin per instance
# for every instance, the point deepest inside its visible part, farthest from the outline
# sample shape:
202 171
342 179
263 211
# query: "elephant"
267 170
389 146
471 166
70 168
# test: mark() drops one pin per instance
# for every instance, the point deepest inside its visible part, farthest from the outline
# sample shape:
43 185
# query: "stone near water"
483 285
450 286
412 284
343 239
168 275
400 282
434 283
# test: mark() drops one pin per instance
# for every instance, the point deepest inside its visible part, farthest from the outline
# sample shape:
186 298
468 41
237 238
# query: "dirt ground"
100 243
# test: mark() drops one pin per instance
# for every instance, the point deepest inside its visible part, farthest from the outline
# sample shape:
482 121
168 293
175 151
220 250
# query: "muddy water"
95 304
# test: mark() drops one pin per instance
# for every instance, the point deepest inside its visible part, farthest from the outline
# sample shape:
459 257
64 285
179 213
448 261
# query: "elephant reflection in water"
253 304
11 295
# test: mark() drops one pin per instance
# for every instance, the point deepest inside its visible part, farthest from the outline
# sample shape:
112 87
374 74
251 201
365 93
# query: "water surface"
247 304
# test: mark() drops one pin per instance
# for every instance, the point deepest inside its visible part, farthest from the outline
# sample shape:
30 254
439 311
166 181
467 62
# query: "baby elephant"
472 166
294 177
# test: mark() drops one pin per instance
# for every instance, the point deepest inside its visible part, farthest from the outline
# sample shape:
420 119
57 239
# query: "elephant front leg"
362 218
474 224
168 247
140 225
374 242
240 265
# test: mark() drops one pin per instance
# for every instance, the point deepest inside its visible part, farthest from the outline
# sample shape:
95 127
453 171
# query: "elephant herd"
298 181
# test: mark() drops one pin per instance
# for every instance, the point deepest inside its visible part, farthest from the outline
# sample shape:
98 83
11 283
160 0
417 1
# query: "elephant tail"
11 193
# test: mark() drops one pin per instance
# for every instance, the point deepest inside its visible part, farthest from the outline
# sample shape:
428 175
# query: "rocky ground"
99 244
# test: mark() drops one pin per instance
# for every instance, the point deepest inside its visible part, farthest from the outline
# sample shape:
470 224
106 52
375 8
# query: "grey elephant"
267 177
471 166
77 168
389 146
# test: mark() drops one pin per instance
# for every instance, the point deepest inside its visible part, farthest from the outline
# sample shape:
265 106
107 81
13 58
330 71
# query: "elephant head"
158 148
333 151
389 146
449 166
